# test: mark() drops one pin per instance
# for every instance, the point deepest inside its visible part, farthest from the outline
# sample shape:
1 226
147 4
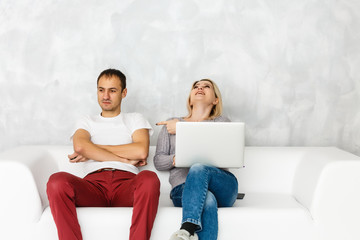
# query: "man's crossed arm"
134 153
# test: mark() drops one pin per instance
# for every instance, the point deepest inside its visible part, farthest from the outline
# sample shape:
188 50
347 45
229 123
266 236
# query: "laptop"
220 144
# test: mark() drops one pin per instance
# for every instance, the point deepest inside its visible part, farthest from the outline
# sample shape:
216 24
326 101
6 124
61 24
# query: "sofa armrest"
24 172
327 183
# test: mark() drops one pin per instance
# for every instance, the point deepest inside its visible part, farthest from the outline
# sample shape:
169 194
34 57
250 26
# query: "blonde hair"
216 111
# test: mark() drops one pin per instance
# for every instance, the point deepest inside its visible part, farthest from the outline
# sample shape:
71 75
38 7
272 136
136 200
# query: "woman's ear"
216 101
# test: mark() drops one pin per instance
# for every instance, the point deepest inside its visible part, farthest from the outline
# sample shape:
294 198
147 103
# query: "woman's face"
203 91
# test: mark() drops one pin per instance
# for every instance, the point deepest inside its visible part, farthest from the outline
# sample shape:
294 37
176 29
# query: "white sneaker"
183 235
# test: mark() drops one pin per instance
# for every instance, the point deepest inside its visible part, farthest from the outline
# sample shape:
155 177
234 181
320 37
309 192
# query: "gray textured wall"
289 69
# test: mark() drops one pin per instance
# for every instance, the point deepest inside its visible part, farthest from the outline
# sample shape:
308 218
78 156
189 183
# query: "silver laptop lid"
220 144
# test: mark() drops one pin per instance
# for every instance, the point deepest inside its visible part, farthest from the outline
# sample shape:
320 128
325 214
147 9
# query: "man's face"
110 94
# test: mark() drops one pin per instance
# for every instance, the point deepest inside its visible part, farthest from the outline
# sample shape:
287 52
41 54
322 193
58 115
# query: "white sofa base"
278 215
289 196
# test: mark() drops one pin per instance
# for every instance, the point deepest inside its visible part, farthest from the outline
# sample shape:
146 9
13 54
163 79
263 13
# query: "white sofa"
291 193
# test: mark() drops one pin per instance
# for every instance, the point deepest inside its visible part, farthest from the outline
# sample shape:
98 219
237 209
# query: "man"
112 145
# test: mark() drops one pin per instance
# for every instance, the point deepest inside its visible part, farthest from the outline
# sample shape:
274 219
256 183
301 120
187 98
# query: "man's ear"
124 93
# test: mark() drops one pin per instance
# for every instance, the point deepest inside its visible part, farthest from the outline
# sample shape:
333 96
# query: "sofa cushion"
257 209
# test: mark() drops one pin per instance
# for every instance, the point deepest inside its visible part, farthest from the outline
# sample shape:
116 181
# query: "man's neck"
110 114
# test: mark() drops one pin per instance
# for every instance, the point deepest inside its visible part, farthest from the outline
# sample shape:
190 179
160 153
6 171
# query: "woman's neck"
199 113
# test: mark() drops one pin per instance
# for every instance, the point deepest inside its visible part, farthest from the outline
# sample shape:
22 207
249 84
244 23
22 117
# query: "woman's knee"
210 201
198 168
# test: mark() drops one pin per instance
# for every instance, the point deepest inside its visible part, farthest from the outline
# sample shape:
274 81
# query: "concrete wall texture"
289 69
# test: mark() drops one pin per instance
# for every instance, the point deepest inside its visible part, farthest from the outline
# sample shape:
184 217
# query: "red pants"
104 189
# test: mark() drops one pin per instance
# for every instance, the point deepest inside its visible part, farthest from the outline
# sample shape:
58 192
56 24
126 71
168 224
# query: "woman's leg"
209 219
176 195
200 206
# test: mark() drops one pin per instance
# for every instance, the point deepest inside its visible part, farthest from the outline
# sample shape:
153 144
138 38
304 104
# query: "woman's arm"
170 125
163 159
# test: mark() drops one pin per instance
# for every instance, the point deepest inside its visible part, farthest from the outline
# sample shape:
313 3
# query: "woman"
201 188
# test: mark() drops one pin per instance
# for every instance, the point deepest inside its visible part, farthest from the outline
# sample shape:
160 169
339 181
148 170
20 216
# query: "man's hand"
170 125
141 163
75 158
136 163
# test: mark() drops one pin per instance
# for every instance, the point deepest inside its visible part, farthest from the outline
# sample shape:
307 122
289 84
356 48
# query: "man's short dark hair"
114 72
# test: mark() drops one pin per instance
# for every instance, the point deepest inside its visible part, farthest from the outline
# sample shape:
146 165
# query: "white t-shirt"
112 131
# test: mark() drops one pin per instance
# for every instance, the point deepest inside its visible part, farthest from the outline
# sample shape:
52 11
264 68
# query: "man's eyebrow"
112 88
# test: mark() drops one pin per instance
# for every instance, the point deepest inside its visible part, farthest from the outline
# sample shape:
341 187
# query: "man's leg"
144 190
146 200
66 191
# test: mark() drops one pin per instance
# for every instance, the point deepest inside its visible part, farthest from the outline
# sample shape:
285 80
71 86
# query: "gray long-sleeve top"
165 152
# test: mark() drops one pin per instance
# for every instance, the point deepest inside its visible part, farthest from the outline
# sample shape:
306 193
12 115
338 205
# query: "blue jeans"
206 188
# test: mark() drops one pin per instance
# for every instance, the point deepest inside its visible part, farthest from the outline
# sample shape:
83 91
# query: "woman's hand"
170 125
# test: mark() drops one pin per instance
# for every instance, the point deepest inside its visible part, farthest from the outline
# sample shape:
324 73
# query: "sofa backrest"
267 169
316 165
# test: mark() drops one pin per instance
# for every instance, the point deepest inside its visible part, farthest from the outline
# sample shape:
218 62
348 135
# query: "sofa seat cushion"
268 216
258 215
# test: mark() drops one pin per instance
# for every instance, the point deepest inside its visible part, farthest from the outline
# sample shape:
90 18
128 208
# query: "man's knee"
149 181
58 182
